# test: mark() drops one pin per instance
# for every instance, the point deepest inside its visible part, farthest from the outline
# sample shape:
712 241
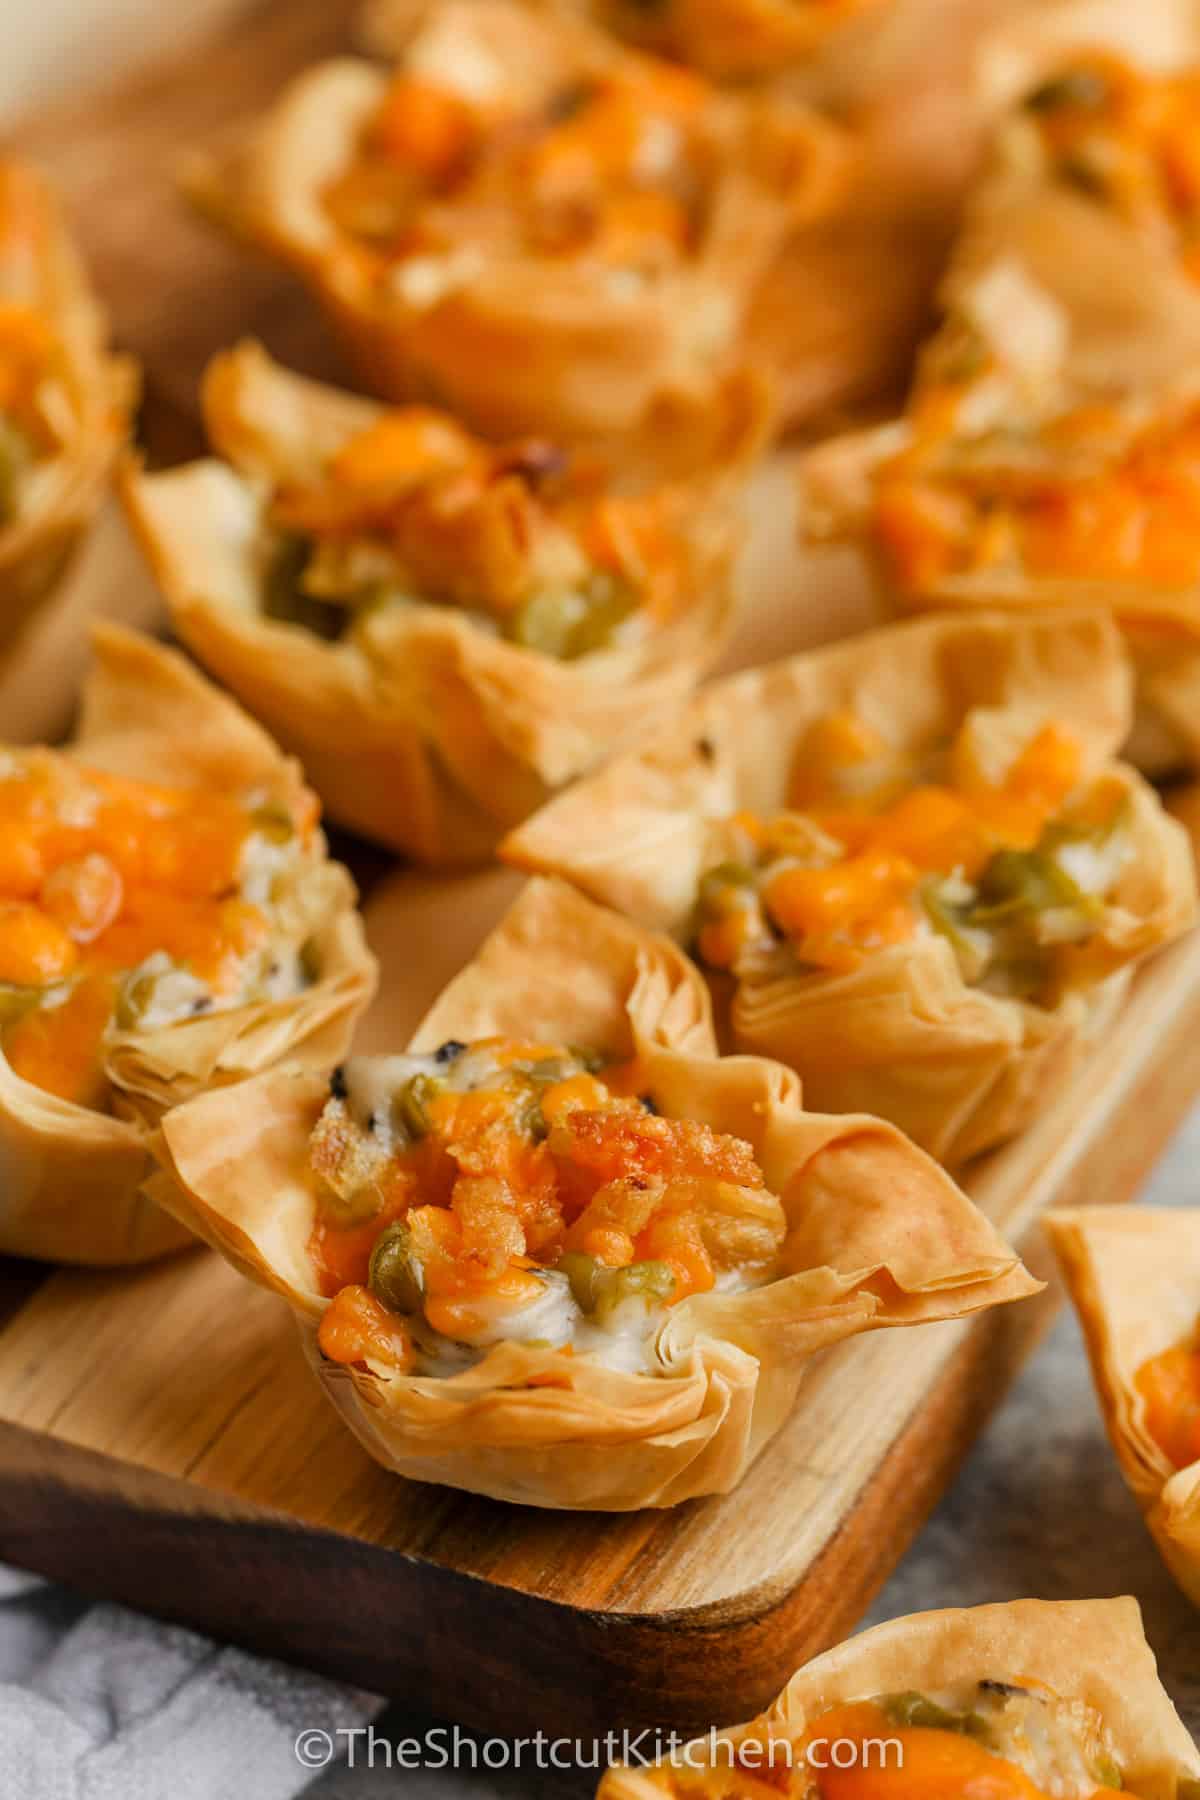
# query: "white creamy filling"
460 66
423 282
166 993
373 1082
553 1319
625 1341
163 993
1060 1744
625 284
1094 865
659 149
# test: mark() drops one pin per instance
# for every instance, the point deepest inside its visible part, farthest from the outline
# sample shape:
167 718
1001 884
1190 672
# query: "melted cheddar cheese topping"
994 1740
1130 141
611 169
1169 1388
1011 871
1007 475
1128 514
126 905
36 405
415 510
1008 1743
513 1190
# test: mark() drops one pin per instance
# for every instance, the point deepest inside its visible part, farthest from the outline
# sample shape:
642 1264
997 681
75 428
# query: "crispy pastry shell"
528 344
903 1036
39 265
70 1178
1130 322
421 730
920 84
727 40
1134 1276
878 1235
1093 1651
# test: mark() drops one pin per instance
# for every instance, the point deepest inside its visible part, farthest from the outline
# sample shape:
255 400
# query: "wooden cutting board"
161 1441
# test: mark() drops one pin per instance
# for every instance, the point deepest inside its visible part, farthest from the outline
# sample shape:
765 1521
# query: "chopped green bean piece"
409 1108
915 1709
716 883
395 1275
599 1290
285 599
1023 881
134 1000
274 822
1075 87
570 624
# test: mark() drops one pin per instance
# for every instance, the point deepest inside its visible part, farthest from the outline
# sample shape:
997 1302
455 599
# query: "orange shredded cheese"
487 1199
97 874
840 909
1169 1388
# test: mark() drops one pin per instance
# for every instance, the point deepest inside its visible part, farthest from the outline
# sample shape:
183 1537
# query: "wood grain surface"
161 1441
160 1438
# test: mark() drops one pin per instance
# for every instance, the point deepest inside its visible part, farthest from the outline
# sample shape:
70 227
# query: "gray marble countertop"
1040 1509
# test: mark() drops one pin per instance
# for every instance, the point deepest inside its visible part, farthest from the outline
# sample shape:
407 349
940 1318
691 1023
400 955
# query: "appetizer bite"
1021 1701
1046 457
527 223
1133 1274
913 85
444 630
728 40
907 861
559 1252
64 401
168 922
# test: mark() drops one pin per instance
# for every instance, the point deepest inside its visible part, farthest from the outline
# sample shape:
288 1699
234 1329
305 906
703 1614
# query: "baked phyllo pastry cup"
559 1252
528 223
1134 1276
908 862
168 922
1020 1701
64 401
727 40
1046 457
445 631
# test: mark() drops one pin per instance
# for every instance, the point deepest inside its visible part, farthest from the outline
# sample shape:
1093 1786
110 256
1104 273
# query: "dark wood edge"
390 1622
